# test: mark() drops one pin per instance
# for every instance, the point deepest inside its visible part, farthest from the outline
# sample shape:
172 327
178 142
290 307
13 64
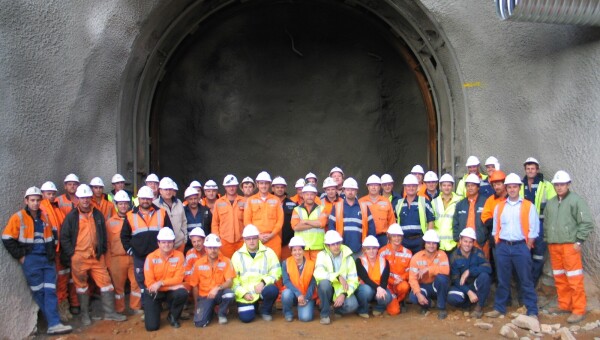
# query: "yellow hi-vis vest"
251 271
422 216
313 237
544 192
444 219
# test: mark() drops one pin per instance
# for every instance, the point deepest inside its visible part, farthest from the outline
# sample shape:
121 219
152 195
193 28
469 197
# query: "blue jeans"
205 306
41 278
289 300
481 286
247 311
325 291
438 290
365 294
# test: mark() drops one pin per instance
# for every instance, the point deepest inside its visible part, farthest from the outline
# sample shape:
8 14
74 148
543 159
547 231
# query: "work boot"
325 320
75 310
493 314
477 312
575 318
108 304
59 329
84 309
557 310
63 311
442 314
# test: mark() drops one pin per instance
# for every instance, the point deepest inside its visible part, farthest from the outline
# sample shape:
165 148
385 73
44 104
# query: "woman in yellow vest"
297 272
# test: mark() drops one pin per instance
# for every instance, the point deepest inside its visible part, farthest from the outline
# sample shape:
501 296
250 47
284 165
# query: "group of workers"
334 251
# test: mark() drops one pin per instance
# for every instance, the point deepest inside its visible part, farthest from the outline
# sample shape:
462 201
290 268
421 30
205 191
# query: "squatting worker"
197 238
399 259
308 222
31 240
569 223
374 273
83 244
299 283
228 217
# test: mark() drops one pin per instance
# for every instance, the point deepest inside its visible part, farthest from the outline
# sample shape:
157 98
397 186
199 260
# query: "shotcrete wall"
529 90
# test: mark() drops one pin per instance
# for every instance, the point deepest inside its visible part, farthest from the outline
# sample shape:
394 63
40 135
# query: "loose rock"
462 333
484 325
514 315
565 334
546 328
527 322
589 326
466 313
525 338
555 326
508 332
575 328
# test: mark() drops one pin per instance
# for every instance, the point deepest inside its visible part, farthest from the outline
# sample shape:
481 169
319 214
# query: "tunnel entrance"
291 87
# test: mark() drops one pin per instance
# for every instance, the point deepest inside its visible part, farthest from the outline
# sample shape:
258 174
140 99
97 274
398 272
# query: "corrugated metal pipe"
569 12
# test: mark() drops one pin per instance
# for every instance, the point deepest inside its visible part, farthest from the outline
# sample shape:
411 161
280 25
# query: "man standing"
68 200
516 225
468 214
470 273
211 194
308 222
380 208
100 200
569 222
83 243
297 198
330 196
444 208
497 182
399 259
472 168
419 173
31 240
174 208
338 177
279 186
247 187
431 185
387 189
265 212
414 214
228 217
118 183
196 214
257 269
152 182
336 276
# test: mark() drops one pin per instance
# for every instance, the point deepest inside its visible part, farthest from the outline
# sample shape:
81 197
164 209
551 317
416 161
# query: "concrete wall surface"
534 92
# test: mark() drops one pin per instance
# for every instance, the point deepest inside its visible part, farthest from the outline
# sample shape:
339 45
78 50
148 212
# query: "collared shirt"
511 222
410 220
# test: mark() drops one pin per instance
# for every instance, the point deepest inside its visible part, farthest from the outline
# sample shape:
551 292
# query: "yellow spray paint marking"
472 84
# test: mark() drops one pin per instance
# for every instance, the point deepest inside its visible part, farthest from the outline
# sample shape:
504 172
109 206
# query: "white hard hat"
175 187
96 182
417 169
430 176
531 160
410 179
230 180
395 229
197 231
71 178
190 191
212 241
263 176
385 178
210 185
250 230
309 188
468 232
373 179
493 161
145 192
166 183
279 181
49 186
83 191
350 183
165 234
247 180
446 178
472 161
300 183
310 175
370 241
336 169
513 178
332 236
117 178
152 178
472 178
121 196
561 177
329 182
196 184
297 241
33 191
431 236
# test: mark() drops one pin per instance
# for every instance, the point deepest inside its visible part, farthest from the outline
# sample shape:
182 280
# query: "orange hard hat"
498 175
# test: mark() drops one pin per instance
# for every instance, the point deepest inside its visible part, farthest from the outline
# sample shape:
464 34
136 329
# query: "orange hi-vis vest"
381 211
140 225
106 207
228 218
301 281
525 206
55 217
328 206
113 235
374 271
20 227
339 218
65 204
399 261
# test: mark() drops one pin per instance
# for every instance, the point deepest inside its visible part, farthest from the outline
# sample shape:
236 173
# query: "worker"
164 281
264 210
64 291
380 208
351 219
257 269
399 259
118 183
308 222
211 283
418 172
119 263
247 186
297 198
140 229
311 178
153 182
569 223
228 217
211 194
491 165
300 285
472 165
30 239
196 214
468 214
516 225
337 174
174 208
100 199
431 185
470 274
279 186
83 246
336 278
197 237
538 191
428 276
500 194
444 209
374 273
196 185
330 197
68 200
387 190
414 214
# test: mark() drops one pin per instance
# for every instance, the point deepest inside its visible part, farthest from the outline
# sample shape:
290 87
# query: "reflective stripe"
424 291
174 259
575 272
456 292
538 257
119 297
352 219
157 261
64 271
136 294
228 296
356 229
186 273
81 290
106 288
245 308
411 227
203 267
50 285
36 288
558 272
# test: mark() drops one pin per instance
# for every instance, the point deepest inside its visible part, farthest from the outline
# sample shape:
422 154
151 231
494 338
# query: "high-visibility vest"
422 215
544 192
324 271
301 280
339 218
140 225
21 228
461 188
525 206
313 237
444 218
250 271
374 271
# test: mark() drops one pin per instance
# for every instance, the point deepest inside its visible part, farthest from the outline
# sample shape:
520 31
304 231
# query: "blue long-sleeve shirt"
289 285
475 263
